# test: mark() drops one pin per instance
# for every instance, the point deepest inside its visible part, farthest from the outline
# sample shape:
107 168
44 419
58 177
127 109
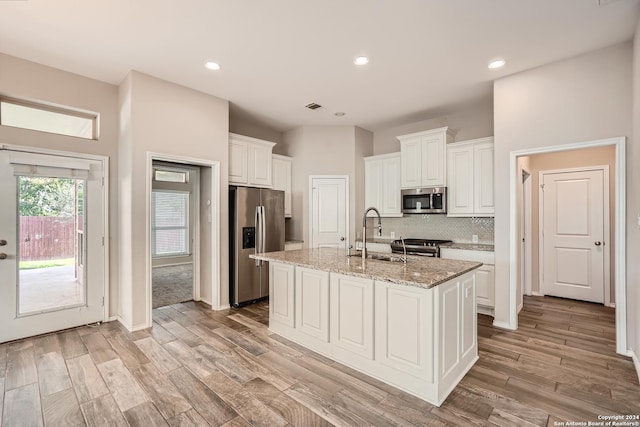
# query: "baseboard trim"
536 294
503 325
611 304
636 363
222 307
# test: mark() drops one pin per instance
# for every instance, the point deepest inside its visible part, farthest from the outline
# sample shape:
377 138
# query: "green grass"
31 265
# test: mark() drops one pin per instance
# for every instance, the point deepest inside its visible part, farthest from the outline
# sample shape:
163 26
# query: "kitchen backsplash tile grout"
435 226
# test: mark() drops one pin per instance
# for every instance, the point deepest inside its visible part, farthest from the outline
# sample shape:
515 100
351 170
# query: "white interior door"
47 200
574 247
329 212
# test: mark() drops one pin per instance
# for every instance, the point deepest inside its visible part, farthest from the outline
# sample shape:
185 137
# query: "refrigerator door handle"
258 235
263 228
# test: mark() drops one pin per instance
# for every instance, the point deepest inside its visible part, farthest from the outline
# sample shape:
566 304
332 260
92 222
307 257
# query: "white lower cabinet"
281 293
404 329
312 303
422 341
485 275
352 315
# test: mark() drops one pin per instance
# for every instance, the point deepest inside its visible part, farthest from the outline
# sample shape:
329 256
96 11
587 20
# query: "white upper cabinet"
250 161
470 178
281 173
423 158
382 184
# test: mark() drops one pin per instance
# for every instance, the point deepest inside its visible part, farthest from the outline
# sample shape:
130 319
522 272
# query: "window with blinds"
170 223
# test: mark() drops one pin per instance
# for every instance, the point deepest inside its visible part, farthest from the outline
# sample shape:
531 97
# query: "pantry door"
575 240
52 260
329 211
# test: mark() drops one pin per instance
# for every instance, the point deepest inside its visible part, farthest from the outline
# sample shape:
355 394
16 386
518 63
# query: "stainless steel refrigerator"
256 224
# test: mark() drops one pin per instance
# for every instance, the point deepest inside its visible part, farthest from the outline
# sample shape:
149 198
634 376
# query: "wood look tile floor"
199 367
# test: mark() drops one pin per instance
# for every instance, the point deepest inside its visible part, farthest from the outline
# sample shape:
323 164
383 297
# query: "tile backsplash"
459 230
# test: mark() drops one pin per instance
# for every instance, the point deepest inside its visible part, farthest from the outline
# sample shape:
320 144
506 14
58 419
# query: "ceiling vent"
601 3
313 106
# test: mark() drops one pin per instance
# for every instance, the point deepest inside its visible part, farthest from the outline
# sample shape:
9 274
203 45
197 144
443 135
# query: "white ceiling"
279 55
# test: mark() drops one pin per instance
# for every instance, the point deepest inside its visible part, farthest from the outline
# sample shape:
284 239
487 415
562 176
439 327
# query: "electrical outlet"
392 234
474 238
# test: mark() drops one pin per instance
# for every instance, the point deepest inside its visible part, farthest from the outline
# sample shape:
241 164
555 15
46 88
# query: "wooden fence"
46 237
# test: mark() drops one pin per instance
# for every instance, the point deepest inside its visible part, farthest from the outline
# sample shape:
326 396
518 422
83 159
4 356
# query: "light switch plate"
474 238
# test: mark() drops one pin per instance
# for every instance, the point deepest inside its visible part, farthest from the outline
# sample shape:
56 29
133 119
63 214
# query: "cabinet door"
312 303
433 161
411 160
352 315
485 285
468 341
281 178
373 184
391 199
404 329
281 292
450 325
461 188
238 162
259 165
483 177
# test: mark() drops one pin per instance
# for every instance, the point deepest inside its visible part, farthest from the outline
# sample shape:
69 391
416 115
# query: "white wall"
583 98
24 79
163 117
472 121
633 211
245 124
325 150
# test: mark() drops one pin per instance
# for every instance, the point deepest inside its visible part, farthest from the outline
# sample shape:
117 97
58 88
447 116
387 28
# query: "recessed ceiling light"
340 114
361 60
496 63
212 65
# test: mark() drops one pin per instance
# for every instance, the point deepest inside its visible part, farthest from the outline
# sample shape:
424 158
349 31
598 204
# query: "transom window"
45 118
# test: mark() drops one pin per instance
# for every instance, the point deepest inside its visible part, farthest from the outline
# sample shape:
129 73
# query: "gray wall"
472 121
583 98
326 150
162 117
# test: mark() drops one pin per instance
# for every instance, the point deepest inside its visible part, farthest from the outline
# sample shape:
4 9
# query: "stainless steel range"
423 247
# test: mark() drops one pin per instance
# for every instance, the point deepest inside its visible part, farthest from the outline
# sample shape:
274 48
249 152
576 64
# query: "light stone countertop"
421 272
471 247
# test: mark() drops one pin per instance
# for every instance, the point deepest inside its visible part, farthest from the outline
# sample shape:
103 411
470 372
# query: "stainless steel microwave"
429 200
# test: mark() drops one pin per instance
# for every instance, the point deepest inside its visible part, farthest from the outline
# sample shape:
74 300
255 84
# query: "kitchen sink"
380 257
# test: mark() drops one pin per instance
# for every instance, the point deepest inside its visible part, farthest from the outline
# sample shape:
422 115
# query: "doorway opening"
524 263
174 198
197 235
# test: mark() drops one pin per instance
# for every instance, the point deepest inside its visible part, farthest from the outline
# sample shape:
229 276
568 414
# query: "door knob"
3 242
342 239
3 256
598 243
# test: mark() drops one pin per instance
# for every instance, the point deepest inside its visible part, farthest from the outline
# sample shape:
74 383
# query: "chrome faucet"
404 249
364 229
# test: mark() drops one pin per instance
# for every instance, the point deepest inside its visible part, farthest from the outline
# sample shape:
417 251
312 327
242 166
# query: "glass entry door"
51 237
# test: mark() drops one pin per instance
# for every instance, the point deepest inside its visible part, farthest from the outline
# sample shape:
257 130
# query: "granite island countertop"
421 272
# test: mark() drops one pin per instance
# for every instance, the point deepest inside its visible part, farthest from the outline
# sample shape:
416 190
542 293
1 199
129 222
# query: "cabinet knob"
3 256
3 242
342 239
598 243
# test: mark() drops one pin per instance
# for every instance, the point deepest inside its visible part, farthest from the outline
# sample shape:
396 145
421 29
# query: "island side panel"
457 332
281 295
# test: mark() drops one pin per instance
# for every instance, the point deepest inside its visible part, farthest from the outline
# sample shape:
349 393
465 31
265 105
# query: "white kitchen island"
412 325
